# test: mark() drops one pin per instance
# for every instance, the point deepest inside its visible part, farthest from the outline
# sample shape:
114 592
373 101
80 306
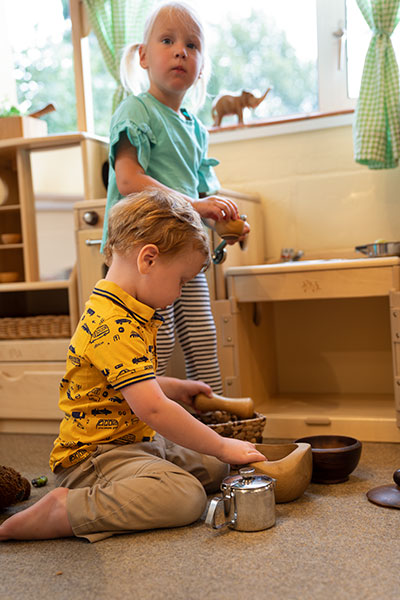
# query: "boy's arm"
171 420
131 178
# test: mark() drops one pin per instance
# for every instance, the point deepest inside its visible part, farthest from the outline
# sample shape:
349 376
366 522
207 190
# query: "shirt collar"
139 311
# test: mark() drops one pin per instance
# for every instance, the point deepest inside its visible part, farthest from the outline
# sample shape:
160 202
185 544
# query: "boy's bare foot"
47 519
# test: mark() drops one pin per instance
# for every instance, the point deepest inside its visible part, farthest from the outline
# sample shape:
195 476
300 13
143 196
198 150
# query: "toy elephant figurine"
234 105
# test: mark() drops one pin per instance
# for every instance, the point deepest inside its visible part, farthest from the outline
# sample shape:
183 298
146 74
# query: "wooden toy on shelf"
233 105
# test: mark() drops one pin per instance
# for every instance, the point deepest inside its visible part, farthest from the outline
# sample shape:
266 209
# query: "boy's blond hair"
159 217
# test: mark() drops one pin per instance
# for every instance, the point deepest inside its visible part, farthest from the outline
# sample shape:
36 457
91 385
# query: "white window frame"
332 81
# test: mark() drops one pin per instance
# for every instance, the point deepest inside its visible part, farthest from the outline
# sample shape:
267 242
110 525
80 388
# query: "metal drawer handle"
92 242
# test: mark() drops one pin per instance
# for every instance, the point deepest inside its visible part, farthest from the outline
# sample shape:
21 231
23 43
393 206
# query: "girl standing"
155 142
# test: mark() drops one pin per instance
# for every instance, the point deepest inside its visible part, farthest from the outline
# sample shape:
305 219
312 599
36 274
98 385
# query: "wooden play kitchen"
268 304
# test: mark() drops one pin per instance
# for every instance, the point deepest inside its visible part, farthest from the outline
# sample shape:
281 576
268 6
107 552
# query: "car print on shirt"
140 359
86 328
75 360
116 399
107 424
78 414
77 455
100 411
122 372
100 332
94 394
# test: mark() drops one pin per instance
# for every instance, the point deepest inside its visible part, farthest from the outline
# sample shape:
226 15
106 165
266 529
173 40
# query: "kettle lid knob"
247 472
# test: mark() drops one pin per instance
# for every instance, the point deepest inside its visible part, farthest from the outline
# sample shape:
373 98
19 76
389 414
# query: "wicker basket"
47 326
229 425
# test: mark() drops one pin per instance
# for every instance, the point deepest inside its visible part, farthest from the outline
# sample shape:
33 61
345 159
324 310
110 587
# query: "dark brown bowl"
334 457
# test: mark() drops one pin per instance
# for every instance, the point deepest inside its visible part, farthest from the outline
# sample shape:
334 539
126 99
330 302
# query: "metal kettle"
248 501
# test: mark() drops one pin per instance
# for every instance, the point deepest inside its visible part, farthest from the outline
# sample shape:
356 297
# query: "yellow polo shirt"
114 345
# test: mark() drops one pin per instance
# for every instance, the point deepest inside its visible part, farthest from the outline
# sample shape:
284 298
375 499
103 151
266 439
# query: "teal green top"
171 149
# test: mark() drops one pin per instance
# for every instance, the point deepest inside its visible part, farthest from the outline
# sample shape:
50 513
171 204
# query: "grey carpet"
330 544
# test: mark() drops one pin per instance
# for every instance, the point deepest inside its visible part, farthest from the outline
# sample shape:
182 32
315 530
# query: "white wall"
315 197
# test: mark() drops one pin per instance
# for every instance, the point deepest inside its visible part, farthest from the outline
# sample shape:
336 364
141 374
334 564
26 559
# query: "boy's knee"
216 471
186 500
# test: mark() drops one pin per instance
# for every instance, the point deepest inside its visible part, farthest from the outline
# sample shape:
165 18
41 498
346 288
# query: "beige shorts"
120 489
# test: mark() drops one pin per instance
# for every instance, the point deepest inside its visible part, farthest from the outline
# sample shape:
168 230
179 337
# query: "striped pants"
191 319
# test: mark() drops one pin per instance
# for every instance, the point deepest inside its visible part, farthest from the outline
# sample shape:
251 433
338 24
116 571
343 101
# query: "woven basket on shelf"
46 326
229 425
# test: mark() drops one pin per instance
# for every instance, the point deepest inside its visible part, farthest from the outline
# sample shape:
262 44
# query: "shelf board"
369 417
10 246
49 141
6 207
366 406
24 286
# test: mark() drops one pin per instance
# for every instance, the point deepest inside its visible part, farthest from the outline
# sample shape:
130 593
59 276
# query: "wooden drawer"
30 390
33 350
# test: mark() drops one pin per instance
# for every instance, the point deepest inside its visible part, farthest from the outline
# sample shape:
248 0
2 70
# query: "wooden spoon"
242 407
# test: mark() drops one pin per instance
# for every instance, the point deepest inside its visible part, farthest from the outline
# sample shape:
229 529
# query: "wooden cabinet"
33 361
89 219
313 346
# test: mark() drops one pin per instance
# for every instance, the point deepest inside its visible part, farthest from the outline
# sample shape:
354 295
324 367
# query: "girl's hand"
237 452
217 208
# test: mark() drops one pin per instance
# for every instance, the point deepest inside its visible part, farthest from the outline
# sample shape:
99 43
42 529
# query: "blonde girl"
156 142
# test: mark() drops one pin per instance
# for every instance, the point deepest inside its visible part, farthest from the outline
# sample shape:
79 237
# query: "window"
42 60
310 52
258 44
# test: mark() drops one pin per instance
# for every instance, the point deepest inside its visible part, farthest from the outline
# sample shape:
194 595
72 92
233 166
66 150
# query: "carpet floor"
332 543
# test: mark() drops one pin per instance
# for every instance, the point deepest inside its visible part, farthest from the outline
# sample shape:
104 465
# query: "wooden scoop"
242 407
230 230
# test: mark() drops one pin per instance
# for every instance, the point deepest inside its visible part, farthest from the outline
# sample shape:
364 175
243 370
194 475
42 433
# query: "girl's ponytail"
129 68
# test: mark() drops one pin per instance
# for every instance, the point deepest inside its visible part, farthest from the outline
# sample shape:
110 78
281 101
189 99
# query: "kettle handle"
210 518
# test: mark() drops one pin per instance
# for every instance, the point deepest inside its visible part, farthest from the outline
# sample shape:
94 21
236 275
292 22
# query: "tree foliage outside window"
254 55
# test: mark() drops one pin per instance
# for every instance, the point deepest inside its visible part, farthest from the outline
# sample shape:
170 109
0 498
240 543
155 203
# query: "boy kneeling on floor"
128 456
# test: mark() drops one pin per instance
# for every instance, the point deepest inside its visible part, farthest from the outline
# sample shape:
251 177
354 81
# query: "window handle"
340 35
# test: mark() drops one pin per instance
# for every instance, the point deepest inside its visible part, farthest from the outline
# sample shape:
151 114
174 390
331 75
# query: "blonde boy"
129 457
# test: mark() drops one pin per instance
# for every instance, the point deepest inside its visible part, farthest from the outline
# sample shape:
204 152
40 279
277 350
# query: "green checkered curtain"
117 23
376 129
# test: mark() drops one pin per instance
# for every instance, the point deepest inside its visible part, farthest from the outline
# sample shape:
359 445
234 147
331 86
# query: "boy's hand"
183 390
237 452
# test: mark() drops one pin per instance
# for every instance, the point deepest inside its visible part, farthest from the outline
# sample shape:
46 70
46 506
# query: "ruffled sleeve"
139 135
208 181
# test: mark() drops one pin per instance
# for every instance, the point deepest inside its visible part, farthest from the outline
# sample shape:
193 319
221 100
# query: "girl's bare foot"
47 519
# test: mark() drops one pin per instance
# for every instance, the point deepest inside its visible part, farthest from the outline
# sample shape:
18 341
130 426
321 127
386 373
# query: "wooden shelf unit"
30 369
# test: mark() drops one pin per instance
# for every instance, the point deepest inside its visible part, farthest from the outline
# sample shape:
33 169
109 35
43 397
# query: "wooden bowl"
290 465
334 457
11 238
9 276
